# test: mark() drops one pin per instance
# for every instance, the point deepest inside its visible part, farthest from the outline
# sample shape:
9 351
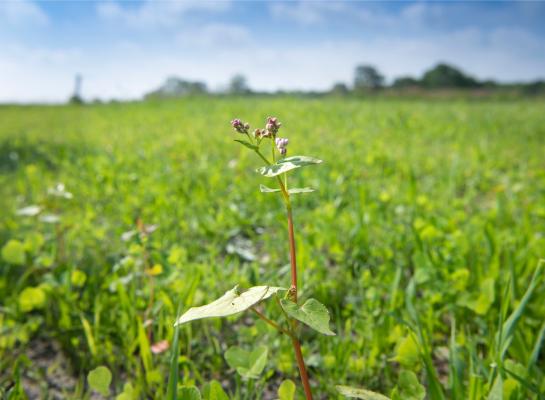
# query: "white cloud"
127 68
504 54
307 12
21 13
155 13
215 35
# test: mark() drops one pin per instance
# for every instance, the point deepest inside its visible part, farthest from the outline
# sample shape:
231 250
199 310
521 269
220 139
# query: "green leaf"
78 278
31 298
480 302
300 190
127 394
247 144
496 393
189 393
265 189
229 304
13 252
99 380
247 364
214 391
33 242
287 164
312 313
360 393
408 387
407 352
286 391
508 328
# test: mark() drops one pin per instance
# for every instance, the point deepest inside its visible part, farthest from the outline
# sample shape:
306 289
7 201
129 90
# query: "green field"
422 238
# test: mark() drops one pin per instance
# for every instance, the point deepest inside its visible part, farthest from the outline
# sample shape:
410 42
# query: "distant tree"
176 87
405 82
367 78
534 88
340 89
447 76
239 85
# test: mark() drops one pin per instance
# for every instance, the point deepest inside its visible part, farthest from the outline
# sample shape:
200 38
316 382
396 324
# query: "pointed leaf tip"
229 304
287 164
312 313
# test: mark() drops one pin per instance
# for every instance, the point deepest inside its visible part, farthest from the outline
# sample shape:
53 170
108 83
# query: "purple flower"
281 144
240 126
272 126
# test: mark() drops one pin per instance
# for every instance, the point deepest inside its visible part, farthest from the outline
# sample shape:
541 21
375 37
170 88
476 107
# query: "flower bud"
281 144
272 126
240 126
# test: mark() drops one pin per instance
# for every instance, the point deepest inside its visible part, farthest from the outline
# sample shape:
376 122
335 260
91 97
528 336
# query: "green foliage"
249 364
312 313
127 394
286 390
265 189
408 387
446 193
214 391
287 164
189 393
359 393
13 252
232 302
408 352
99 380
32 298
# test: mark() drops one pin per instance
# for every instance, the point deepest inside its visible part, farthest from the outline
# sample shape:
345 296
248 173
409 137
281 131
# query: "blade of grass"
172 385
509 326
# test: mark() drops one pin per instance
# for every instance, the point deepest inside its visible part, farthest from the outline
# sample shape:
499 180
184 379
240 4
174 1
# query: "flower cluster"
281 144
272 126
270 131
240 126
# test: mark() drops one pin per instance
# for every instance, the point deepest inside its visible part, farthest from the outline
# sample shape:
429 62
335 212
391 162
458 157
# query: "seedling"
311 313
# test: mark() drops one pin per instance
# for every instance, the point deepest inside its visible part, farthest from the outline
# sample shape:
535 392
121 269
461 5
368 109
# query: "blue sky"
124 49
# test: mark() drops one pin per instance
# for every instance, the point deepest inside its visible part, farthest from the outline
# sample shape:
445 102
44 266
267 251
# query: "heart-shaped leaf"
287 164
360 393
312 313
247 364
229 304
99 379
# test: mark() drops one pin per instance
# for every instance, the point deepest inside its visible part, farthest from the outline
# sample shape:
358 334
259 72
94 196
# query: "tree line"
368 80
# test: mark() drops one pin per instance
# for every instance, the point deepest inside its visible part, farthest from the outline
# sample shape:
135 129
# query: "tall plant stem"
293 296
302 368
293 257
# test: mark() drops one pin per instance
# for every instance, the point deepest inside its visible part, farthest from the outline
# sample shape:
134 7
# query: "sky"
124 49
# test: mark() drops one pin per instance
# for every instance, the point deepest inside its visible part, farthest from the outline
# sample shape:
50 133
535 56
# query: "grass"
422 239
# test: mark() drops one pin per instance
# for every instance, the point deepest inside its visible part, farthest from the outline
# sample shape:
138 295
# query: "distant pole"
76 97
77 86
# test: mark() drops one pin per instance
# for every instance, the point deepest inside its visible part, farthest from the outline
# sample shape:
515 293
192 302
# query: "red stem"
302 368
293 296
293 258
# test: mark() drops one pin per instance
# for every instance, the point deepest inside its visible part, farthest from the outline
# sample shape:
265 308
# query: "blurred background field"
428 214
